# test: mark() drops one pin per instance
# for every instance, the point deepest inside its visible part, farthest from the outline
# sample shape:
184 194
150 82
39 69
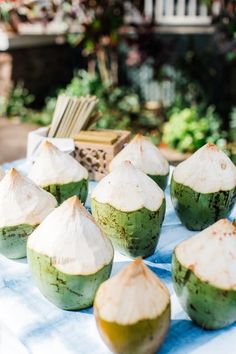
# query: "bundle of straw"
71 115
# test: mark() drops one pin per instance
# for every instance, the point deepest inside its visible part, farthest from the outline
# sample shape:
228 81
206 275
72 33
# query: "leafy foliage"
188 129
119 107
17 102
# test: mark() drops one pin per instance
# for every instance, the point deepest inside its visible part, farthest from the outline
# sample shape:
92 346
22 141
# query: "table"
31 324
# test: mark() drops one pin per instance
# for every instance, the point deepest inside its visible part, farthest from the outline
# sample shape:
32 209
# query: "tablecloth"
29 324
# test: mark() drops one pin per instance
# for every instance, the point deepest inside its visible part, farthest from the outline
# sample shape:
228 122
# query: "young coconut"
132 310
59 173
204 275
147 157
203 187
23 206
130 208
69 256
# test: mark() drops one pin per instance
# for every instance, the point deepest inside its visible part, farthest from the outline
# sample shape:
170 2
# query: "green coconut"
128 230
130 207
13 240
147 157
204 275
203 188
69 256
126 322
65 191
23 206
160 180
59 173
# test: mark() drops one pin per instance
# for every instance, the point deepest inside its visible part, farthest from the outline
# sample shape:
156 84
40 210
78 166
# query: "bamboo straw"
66 118
58 113
80 122
78 114
63 114
71 115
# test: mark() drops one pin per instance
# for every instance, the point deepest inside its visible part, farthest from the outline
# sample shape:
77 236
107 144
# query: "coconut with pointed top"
132 310
59 173
23 206
130 208
69 256
204 275
147 157
2 173
203 187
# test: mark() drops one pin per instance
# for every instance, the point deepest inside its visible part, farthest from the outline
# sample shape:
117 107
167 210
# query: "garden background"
171 80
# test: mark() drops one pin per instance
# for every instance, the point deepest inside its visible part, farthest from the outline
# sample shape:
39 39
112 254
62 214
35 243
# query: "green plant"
188 129
187 90
45 116
206 2
119 107
5 8
82 84
101 37
17 102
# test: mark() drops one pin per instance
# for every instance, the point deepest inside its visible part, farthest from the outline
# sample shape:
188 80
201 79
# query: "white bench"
177 12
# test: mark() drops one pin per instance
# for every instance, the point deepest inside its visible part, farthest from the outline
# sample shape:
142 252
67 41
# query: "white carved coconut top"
211 255
72 239
22 202
144 155
132 295
2 173
53 166
128 189
208 170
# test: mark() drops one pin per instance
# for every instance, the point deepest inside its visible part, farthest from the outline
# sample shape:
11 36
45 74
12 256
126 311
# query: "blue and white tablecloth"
29 324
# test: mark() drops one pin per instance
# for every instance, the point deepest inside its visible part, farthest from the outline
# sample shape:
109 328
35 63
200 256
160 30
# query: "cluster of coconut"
26 201
203 190
70 252
143 154
71 259
128 203
204 275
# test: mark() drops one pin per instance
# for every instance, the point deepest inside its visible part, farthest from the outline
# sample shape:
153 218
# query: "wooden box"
97 157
